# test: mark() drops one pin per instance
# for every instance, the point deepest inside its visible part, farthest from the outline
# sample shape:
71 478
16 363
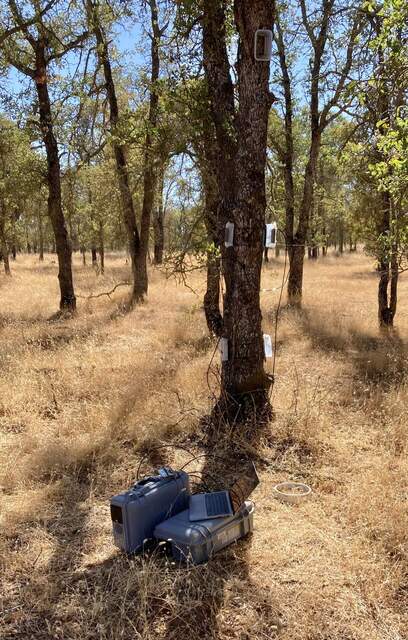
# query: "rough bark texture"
206 149
62 242
241 139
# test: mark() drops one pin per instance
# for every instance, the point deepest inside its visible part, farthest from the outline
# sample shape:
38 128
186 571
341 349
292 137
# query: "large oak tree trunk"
241 139
55 212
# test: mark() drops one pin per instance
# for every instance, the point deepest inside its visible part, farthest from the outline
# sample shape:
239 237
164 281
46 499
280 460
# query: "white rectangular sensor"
263 45
267 345
223 349
270 235
229 234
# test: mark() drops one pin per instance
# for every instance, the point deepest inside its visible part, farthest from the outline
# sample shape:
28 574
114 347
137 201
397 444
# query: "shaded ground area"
82 400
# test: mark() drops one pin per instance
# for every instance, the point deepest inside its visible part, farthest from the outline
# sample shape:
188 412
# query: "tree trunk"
341 238
40 235
101 247
150 172
94 256
4 252
387 268
297 250
62 242
295 280
83 252
3 244
126 198
244 384
158 222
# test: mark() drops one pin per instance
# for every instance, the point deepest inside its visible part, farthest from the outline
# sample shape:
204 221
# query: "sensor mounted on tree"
263 45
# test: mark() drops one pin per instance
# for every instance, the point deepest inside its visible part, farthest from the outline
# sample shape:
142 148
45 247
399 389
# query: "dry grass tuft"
81 400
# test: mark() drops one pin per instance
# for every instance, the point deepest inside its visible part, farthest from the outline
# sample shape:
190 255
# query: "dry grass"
80 400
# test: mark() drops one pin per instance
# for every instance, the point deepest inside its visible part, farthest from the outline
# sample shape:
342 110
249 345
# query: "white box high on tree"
270 235
263 45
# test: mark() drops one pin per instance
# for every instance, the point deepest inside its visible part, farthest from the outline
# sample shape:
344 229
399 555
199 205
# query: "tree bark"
387 268
101 247
40 234
150 170
5 253
243 200
62 242
297 246
158 221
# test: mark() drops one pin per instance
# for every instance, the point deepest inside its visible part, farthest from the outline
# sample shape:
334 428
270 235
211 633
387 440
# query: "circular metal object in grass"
291 492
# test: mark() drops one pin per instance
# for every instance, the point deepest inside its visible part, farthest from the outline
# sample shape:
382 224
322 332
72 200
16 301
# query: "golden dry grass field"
81 399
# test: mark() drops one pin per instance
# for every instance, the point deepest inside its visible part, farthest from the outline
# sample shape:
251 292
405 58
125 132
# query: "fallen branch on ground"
106 293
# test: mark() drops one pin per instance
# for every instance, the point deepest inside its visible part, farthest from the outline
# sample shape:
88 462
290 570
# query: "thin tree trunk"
158 222
388 269
40 235
341 238
150 172
3 244
101 247
4 252
62 242
297 250
127 204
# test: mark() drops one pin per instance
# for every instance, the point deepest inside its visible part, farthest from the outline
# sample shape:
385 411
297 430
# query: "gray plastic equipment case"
198 541
136 513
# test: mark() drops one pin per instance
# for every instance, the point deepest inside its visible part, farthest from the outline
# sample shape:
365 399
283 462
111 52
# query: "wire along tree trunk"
241 139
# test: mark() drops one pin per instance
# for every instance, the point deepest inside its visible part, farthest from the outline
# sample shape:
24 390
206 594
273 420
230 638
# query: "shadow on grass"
379 360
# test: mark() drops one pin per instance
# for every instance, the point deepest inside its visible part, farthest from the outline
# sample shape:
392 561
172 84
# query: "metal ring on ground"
284 492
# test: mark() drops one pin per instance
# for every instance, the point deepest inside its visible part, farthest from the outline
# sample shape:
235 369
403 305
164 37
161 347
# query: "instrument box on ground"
197 542
136 513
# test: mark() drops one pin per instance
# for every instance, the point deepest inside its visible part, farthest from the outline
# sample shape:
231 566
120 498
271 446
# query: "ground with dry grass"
81 399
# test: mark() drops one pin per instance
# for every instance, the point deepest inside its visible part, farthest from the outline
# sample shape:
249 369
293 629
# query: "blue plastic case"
137 512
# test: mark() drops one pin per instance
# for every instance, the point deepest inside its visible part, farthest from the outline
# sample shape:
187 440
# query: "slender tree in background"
138 242
37 43
386 110
241 134
330 67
